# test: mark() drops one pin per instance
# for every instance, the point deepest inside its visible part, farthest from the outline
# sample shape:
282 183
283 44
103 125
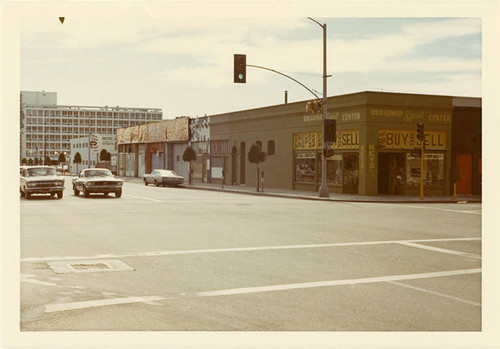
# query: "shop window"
350 171
270 147
334 169
305 167
433 170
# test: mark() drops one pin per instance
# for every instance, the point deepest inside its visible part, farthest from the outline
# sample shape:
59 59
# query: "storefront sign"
372 153
346 139
342 116
411 115
406 139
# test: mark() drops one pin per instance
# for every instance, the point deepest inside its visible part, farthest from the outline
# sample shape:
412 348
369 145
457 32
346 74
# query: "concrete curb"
377 199
312 198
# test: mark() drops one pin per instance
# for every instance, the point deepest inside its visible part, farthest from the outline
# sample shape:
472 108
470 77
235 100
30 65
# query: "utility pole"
323 190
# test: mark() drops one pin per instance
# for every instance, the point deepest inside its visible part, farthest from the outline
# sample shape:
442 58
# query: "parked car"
97 180
40 180
163 177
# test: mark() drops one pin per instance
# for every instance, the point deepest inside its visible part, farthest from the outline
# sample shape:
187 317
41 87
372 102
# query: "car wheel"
145 181
22 193
28 196
76 191
85 192
118 194
156 183
59 194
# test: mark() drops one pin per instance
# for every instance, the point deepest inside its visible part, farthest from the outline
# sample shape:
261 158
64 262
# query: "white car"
163 177
40 180
97 180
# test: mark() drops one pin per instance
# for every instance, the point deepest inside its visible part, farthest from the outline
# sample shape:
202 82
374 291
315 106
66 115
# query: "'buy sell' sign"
405 139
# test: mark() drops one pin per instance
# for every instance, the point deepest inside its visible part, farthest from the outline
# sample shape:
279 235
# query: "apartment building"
47 128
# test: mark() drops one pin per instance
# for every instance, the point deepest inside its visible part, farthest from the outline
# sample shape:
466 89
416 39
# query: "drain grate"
88 266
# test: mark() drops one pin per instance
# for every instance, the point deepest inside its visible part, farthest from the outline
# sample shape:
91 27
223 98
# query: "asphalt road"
210 261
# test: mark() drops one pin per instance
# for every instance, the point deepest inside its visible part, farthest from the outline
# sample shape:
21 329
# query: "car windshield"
166 173
41 171
97 173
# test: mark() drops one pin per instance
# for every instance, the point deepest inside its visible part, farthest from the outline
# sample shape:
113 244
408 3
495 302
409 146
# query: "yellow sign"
405 139
346 139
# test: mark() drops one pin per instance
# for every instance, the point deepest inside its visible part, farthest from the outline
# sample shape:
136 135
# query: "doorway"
464 185
242 163
234 159
390 172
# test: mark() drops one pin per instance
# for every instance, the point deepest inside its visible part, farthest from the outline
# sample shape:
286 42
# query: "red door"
464 185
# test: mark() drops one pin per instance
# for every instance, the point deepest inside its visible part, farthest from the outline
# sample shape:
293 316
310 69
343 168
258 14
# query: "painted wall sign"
166 130
411 115
343 116
346 139
406 139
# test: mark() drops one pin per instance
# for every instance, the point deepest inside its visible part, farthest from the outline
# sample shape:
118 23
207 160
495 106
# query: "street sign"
94 143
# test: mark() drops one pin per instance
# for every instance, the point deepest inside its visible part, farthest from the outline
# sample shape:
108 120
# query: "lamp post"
323 190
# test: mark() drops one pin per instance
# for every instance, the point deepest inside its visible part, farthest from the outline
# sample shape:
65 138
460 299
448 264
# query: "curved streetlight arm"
312 19
277 72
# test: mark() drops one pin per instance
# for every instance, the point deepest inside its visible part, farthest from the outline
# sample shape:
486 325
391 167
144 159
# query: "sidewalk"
308 195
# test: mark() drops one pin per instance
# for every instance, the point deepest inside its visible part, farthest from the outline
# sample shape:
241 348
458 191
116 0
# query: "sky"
145 57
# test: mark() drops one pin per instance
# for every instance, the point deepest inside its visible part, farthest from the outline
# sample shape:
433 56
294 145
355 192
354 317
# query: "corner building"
376 151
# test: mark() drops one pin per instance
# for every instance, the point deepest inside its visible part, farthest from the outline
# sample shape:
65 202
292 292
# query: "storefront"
342 161
157 145
376 150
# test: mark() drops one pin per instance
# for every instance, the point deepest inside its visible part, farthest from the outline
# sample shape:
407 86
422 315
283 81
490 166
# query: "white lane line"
236 249
435 293
50 308
426 207
438 249
247 290
144 198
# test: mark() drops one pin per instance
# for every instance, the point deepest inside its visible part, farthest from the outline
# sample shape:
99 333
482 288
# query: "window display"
305 165
334 169
433 170
351 170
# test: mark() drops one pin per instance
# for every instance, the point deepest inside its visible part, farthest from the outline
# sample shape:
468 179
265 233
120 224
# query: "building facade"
157 145
47 128
89 155
376 149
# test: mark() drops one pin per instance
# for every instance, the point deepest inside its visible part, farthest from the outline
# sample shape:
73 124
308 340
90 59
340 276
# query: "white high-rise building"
47 128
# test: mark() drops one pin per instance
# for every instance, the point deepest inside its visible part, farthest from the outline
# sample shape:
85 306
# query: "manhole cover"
88 266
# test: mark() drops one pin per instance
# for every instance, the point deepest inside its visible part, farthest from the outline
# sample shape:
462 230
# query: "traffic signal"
330 130
420 131
240 68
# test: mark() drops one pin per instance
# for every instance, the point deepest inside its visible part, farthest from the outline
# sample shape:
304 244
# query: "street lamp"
323 190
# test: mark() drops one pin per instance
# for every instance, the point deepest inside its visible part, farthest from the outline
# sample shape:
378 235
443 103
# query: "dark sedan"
97 180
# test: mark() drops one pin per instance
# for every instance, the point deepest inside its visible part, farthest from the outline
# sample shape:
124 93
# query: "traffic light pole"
422 169
323 190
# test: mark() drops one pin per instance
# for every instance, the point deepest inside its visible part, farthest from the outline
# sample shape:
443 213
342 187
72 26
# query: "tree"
36 161
105 156
62 158
189 156
77 160
256 156
30 162
47 161
24 161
